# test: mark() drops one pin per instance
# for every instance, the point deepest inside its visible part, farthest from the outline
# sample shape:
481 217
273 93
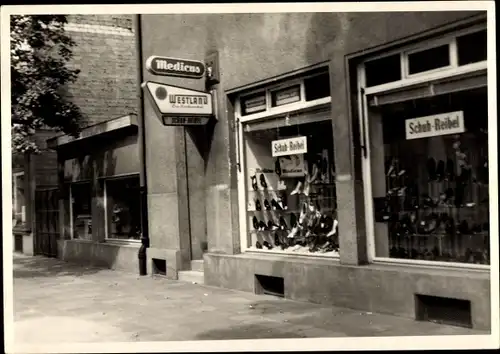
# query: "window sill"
118 242
431 264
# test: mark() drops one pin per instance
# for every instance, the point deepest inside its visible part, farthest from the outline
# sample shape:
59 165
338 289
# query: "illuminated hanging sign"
291 146
166 66
179 106
435 125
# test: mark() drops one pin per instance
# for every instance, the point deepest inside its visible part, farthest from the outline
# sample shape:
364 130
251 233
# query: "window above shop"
294 94
455 51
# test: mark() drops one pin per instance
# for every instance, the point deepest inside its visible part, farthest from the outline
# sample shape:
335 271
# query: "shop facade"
347 162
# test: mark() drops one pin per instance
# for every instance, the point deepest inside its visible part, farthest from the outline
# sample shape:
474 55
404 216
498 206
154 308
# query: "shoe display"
267 205
262 226
263 181
258 207
282 202
275 205
297 188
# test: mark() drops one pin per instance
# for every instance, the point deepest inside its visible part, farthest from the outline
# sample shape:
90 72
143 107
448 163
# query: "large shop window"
81 210
289 178
429 165
123 208
18 201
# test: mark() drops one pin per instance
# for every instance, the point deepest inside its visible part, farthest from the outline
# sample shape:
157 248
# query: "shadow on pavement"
37 266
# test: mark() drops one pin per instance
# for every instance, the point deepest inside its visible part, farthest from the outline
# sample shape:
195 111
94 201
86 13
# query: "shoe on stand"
277 167
267 205
254 182
297 188
263 182
275 205
283 225
267 245
272 226
307 187
333 231
255 223
258 207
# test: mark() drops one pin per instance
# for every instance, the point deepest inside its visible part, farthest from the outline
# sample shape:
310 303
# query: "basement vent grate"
159 266
269 285
443 310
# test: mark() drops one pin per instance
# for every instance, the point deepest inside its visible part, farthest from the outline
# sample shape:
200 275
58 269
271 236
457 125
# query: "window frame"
279 112
363 92
71 210
107 231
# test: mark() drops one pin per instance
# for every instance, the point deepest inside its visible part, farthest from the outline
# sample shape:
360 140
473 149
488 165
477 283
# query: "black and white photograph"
248 177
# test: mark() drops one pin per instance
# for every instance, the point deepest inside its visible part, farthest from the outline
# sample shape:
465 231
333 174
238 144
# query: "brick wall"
106 86
105 55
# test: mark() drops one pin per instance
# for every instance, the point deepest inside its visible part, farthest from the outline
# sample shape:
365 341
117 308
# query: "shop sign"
435 125
254 104
168 120
166 66
177 101
291 146
286 96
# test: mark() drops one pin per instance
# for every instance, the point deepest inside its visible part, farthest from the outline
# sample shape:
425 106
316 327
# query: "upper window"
444 53
472 47
383 70
429 59
296 93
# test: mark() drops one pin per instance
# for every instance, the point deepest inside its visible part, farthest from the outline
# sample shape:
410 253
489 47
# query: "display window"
429 176
290 187
123 208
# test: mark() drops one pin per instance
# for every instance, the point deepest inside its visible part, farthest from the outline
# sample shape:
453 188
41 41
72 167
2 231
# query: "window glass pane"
288 210
317 87
253 103
82 214
123 203
18 206
430 178
430 59
472 48
285 96
384 70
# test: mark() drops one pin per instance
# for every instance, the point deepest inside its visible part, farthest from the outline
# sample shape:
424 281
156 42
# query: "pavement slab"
56 301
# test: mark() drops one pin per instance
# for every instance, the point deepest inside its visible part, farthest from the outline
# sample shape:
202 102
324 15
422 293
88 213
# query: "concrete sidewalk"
60 302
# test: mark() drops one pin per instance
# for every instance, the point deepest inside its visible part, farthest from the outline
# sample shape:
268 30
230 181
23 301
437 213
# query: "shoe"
307 188
255 223
450 170
258 207
440 171
293 220
272 226
258 245
283 225
254 182
282 202
267 205
333 231
297 188
263 181
277 241
431 169
277 167
293 233
275 205
312 178
267 245
303 213
262 226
